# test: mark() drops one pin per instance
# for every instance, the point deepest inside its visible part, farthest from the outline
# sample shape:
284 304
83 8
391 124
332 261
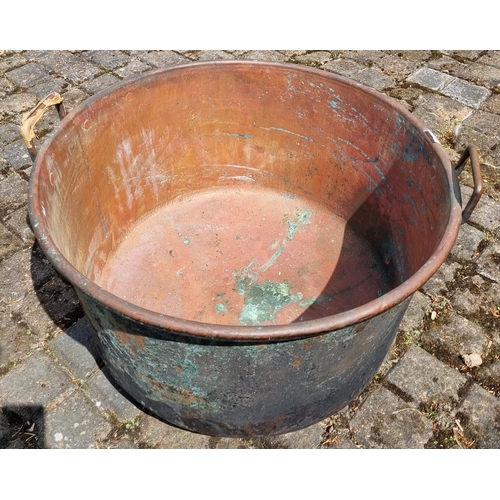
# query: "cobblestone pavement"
439 386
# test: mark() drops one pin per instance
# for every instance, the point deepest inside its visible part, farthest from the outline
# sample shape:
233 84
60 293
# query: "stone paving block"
9 243
364 56
395 66
52 83
69 66
430 78
314 58
465 302
445 274
226 443
15 277
466 93
73 97
27 75
492 104
15 343
344 67
419 305
487 212
11 62
482 412
16 155
458 337
104 393
212 55
265 55
374 78
488 262
13 193
467 242
108 59
308 438
132 68
491 59
17 221
156 434
9 132
385 421
487 123
480 74
159 59
426 379
33 384
16 104
76 349
102 82
75 423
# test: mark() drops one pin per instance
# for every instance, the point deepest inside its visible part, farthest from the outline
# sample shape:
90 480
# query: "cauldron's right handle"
471 152
30 118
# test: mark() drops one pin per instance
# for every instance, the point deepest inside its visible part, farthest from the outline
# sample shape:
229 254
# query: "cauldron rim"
250 333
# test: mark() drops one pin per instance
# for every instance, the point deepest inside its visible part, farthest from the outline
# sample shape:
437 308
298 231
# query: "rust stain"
297 361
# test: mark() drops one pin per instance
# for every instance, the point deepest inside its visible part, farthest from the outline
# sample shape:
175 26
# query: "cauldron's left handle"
30 118
471 152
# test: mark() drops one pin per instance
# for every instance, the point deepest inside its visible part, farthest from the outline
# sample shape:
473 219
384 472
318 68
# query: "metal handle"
30 118
471 152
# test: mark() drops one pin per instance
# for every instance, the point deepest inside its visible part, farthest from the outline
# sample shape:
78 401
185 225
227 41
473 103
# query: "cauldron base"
242 256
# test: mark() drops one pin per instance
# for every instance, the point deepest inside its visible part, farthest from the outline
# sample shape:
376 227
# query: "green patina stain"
221 307
262 302
186 241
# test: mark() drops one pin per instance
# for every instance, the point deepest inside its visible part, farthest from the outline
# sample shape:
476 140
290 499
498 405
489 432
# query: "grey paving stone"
121 444
16 155
161 58
33 384
487 123
265 55
315 58
467 54
11 62
487 212
108 59
15 343
420 304
489 260
467 242
466 93
374 78
52 83
75 423
308 438
396 66
364 56
492 104
385 421
76 349
480 74
17 221
445 274
344 67
16 104
426 379
73 97
491 59
458 337
9 243
225 443
107 396
9 132
132 68
342 443
465 302
489 376
15 277
27 75
100 83
69 66
430 78
212 55
482 412
156 434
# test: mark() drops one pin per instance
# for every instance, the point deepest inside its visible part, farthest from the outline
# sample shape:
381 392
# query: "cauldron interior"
354 191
